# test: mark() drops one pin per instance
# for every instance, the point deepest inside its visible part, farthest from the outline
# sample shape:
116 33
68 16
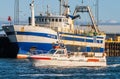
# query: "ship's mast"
16 12
64 4
97 11
60 7
32 13
66 7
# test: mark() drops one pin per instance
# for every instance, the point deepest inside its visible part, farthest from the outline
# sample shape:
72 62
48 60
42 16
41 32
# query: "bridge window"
56 20
60 52
60 20
42 20
52 19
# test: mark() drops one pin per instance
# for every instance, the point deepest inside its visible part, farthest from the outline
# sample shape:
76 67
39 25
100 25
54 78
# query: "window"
52 51
60 20
52 19
42 20
60 52
56 20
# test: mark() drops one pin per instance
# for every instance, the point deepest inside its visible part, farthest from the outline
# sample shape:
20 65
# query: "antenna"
96 5
47 10
64 4
97 11
16 12
61 6
82 2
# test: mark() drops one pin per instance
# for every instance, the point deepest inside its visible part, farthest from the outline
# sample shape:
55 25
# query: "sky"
109 10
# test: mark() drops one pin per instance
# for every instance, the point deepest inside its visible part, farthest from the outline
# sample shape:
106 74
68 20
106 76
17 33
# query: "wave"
114 65
46 75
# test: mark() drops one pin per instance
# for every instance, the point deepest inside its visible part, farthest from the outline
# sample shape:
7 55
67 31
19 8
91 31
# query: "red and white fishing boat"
60 57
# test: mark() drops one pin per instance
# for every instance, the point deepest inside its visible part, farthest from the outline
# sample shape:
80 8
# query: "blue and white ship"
44 31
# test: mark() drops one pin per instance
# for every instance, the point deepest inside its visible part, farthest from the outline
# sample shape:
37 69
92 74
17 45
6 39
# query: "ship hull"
68 62
43 38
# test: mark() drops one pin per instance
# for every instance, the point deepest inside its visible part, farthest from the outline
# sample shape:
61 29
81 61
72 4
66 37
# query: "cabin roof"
53 16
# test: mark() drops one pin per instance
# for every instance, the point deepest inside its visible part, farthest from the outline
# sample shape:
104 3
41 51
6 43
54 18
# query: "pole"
97 7
16 12
32 13
60 7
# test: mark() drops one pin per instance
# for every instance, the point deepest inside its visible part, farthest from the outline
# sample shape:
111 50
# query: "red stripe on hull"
41 58
93 60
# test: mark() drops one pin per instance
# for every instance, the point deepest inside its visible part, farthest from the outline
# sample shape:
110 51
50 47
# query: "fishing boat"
48 29
60 57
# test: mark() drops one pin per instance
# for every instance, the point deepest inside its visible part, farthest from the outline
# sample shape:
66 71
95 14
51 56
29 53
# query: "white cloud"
109 21
112 21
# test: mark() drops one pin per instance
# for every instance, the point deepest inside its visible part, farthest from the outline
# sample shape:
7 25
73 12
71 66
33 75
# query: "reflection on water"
23 69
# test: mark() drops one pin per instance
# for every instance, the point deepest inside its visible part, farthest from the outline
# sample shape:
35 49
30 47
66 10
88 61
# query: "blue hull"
24 48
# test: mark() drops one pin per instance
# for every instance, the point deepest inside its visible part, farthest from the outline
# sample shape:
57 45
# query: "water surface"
23 69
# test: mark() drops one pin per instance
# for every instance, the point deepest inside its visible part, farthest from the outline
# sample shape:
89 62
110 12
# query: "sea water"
23 69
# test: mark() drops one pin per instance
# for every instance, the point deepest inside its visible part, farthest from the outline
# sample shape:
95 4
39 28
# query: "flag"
9 18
